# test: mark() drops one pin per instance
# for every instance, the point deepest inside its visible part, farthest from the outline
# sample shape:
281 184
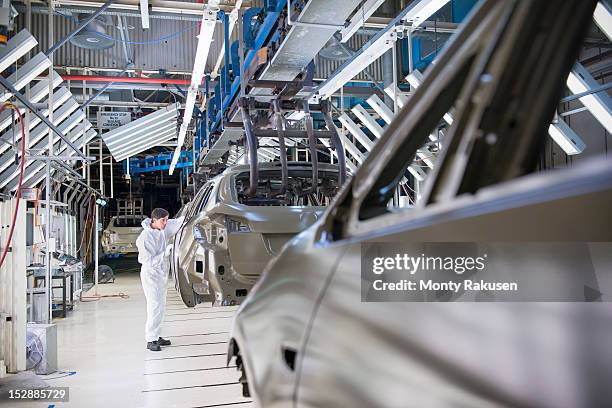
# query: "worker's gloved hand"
168 249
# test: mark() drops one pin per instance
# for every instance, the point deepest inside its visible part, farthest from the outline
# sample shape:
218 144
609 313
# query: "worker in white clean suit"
153 245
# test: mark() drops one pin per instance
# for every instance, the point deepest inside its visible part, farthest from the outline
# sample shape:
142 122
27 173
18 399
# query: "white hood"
146 223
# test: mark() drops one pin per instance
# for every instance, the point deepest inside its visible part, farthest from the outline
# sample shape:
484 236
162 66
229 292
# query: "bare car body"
304 338
228 238
120 235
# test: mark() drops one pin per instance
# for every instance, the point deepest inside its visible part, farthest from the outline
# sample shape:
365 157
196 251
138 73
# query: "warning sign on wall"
111 120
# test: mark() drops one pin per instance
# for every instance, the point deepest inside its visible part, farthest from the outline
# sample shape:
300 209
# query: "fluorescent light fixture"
379 106
566 138
417 172
599 104
42 144
204 40
59 115
425 158
147 139
603 18
37 92
368 120
349 165
16 48
241 159
26 73
359 18
266 153
41 131
351 148
61 96
37 173
144 13
423 10
297 115
401 99
356 131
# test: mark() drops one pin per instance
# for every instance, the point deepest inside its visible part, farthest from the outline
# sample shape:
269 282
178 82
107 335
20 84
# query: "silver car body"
120 235
223 245
304 338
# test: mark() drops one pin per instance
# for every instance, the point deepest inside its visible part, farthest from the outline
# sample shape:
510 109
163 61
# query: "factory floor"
102 355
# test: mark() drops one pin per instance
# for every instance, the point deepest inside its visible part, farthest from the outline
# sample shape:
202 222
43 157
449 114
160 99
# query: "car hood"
273 220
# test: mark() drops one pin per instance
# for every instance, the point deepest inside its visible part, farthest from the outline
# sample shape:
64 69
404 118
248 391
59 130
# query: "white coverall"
152 254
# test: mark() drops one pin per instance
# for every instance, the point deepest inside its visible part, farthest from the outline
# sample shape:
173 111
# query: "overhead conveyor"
251 113
278 54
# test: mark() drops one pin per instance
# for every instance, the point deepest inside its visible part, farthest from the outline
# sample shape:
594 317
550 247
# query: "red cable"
18 196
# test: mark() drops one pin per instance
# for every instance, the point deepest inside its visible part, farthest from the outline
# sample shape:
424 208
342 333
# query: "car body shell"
305 338
120 235
221 265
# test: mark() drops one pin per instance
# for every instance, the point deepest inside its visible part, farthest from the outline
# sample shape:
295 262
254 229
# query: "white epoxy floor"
103 343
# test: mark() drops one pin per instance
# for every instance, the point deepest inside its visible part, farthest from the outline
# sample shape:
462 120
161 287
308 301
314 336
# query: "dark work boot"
163 342
153 346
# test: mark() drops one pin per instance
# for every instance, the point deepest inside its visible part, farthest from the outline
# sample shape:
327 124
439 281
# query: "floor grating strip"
191 369
192 386
197 344
200 318
198 334
223 405
176 358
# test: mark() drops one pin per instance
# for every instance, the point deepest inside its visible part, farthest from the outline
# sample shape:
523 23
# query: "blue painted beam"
263 37
157 163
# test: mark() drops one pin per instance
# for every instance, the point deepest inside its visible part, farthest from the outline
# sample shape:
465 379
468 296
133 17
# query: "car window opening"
298 184
128 221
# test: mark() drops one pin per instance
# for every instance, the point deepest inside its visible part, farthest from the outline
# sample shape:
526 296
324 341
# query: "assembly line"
305 203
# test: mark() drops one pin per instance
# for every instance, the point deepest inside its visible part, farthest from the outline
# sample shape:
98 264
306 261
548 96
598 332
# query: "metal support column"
49 247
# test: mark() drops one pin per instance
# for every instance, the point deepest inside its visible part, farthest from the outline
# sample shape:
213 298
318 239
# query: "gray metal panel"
161 135
141 134
303 42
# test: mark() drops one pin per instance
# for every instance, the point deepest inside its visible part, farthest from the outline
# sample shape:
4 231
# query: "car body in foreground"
228 238
304 337
120 235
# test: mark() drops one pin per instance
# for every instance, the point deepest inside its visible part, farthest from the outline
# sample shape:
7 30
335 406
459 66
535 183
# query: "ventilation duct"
93 36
